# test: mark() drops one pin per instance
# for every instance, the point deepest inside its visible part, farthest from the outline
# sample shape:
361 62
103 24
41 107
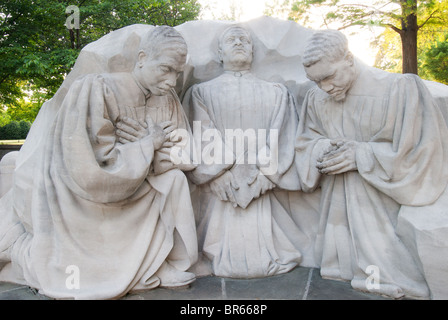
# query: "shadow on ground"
299 284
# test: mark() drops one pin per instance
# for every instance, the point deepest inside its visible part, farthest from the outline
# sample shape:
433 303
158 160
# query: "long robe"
259 239
88 217
400 162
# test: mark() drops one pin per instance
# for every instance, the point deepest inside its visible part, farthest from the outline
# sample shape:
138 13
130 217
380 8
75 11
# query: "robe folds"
89 217
400 160
257 238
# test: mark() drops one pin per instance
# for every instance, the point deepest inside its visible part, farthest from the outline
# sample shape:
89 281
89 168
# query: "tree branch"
398 30
430 16
373 10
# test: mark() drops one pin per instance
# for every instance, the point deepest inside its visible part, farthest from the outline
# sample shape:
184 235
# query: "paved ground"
299 284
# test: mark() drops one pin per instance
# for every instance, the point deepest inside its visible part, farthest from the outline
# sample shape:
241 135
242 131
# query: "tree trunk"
78 44
408 36
72 38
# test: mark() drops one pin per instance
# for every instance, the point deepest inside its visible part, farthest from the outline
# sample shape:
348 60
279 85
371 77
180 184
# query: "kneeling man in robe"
97 209
373 141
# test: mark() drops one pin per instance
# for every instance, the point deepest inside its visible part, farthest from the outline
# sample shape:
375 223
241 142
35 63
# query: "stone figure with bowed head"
373 141
247 128
100 201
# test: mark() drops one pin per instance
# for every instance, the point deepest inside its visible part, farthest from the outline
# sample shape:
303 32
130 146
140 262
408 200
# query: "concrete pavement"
299 284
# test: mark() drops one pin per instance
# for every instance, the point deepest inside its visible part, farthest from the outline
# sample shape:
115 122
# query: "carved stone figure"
374 142
246 127
94 205
97 208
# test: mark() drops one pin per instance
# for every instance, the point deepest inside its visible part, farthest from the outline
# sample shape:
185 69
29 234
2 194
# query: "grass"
11 142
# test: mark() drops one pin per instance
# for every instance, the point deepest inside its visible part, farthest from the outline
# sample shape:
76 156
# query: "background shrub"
15 130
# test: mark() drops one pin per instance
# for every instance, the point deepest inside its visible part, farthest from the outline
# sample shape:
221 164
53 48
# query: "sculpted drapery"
245 223
111 188
400 138
259 239
85 201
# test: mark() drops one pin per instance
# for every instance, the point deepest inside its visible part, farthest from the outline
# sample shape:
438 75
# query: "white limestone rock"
425 232
7 166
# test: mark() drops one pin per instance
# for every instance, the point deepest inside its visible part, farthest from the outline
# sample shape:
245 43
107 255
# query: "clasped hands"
225 187
339 156
130 130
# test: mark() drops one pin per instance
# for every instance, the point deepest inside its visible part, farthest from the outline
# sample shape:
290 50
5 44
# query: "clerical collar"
237 74
145 91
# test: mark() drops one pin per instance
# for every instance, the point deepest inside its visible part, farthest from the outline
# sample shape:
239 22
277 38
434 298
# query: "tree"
4 118
435 60
389 48
38 49
405 17
432 54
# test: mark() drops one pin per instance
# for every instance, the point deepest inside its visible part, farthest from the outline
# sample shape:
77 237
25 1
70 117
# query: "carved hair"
329 44
226 31
163 38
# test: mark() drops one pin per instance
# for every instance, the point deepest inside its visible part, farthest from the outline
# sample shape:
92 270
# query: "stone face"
278 46
277 57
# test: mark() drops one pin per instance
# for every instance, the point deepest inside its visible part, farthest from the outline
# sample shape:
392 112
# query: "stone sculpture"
244 229
7 166
98 196
387 217
374 142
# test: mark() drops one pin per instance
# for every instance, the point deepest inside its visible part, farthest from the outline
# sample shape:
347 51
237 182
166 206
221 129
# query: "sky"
359 40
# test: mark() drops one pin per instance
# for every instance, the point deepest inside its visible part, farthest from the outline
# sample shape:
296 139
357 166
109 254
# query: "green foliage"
4 118
37 50
383 13
402 20
15 130
25 109
433 34
435 60
30 32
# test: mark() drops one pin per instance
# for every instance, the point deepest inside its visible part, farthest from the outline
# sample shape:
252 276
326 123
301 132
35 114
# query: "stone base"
425 231
7 148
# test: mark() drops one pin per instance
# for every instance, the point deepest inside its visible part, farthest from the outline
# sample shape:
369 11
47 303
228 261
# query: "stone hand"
130 130
223 187
160 134
339 159
262 185
325 146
